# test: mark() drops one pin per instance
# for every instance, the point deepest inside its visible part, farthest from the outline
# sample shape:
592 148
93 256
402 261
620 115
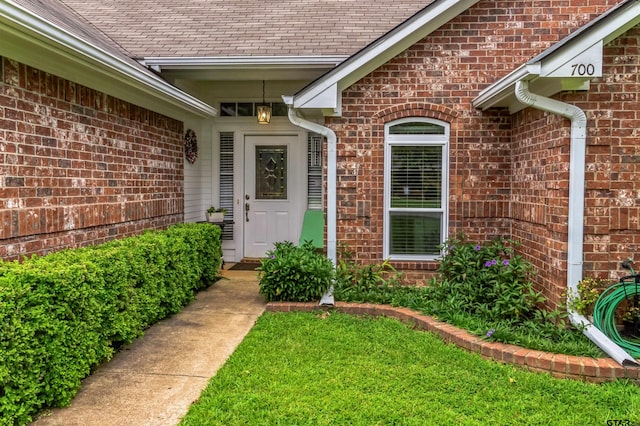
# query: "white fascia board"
563 54
22 31
502 89
328 99
234 62
378 53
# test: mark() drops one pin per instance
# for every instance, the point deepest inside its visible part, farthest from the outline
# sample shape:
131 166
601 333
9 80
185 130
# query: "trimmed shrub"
63 314
295 273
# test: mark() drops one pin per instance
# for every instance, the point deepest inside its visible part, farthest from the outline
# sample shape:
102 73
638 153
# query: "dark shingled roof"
66 18
213 28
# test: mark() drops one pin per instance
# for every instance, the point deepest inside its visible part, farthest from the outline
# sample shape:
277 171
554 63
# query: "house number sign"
586 64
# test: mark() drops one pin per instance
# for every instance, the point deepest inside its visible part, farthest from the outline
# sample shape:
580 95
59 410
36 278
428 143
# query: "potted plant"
216 214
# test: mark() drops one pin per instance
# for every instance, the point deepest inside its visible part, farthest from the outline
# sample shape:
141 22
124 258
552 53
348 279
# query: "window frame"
391 140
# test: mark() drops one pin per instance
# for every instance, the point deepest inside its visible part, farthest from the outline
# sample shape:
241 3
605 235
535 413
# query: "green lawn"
336 369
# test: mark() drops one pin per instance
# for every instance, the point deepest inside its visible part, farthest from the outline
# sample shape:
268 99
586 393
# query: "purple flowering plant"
488 279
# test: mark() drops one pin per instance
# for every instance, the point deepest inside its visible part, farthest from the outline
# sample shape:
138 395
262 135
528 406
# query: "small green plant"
492 283
294 273
632 314
366 276
589 289
374 282
214 209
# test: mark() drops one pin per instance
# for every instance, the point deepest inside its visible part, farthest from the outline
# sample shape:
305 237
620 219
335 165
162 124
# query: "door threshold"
250 260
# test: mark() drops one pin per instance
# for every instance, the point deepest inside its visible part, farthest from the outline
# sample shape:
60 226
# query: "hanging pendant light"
264 110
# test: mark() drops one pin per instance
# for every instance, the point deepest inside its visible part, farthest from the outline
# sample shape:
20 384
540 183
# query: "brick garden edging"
595 370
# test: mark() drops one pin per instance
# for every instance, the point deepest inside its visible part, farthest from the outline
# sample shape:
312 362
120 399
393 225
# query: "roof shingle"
206 28
72 22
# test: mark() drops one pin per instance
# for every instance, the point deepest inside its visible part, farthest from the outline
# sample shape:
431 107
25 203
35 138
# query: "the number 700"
583 69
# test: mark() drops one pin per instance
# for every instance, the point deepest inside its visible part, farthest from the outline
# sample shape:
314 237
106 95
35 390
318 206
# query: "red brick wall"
490 194
79 167
612 225
539 198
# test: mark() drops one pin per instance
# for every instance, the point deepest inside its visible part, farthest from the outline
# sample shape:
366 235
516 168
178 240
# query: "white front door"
272 180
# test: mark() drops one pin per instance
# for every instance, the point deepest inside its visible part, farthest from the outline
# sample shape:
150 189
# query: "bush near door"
294 273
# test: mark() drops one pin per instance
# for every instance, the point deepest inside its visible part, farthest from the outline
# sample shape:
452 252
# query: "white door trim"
234 250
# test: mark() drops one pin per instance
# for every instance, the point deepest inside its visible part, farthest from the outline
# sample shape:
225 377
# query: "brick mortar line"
596 370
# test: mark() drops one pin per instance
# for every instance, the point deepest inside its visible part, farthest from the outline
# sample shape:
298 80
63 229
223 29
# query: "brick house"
436 117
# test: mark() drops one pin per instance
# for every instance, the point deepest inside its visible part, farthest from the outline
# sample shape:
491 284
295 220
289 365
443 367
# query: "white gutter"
576 212
500 90
232 62
57 38
294 117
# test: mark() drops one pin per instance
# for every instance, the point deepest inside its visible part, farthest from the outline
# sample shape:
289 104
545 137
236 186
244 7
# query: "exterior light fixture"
264 110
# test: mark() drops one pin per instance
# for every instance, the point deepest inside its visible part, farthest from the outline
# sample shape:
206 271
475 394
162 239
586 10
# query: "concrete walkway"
154 380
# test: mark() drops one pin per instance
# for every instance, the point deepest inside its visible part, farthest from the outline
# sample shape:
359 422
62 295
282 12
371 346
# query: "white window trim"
413 140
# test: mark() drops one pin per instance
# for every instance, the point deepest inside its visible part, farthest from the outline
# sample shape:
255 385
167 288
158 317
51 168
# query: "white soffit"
567 65
325 92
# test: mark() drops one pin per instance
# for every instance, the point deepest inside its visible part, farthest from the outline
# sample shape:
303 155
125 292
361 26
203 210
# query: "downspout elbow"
576 115
296 120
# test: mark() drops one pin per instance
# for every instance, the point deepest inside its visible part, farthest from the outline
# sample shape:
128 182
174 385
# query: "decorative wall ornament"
190 146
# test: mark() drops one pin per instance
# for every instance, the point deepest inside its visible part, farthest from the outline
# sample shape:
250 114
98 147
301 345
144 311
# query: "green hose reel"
604 311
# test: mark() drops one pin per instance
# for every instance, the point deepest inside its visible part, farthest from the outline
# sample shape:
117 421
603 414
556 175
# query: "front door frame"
234 249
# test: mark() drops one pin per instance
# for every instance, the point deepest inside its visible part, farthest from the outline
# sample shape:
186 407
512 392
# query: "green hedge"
63 314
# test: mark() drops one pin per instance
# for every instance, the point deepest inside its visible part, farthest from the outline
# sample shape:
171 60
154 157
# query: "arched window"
416 188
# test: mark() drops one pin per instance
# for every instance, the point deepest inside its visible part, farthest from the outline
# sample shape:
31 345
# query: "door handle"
246 212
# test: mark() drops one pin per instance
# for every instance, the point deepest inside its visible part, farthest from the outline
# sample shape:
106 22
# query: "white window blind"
226 180
314 171
416 176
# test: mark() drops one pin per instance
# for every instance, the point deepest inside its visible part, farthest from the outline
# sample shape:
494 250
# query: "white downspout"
327 298
576 212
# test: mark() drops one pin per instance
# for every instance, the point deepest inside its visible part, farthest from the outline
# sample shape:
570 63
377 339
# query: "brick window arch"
416 161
